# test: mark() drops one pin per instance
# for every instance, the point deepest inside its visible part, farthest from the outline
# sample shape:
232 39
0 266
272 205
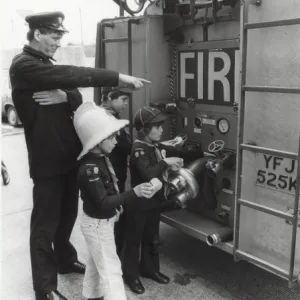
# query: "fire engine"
227 74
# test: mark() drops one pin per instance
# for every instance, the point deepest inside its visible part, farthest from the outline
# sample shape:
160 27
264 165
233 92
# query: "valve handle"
216 146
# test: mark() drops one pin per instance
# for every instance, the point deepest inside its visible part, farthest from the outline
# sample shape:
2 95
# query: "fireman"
115 102
45 97
142 223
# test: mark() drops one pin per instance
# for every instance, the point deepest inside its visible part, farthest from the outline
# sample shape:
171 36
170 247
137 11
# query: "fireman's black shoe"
54 295
5 176
101 298
158 277
73 267
135 285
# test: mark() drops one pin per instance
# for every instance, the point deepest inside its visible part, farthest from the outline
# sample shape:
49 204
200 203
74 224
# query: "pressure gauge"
223 126
197 122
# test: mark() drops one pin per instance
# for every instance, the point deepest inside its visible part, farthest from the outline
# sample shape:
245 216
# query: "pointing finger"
144 80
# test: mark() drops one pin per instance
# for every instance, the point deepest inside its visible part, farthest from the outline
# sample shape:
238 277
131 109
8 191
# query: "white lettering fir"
207 74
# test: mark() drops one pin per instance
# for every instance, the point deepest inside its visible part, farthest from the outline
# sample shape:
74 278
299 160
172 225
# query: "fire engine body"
202 61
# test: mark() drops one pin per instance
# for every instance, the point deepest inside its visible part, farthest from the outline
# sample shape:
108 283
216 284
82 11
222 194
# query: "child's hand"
144 190
157 184
174 162
178 141
119 212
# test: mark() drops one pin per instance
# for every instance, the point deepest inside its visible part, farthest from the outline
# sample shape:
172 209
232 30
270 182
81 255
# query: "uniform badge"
96 170
136 154
142 152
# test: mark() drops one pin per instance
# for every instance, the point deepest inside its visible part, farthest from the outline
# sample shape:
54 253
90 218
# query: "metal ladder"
241 146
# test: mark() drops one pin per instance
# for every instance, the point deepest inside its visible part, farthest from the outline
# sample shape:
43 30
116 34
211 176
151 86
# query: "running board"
196 226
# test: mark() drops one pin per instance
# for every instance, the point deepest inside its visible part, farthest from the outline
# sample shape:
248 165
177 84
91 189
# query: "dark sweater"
145 166
52 143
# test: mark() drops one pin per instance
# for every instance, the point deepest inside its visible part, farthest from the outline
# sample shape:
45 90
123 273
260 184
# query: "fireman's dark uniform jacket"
100 198
52 143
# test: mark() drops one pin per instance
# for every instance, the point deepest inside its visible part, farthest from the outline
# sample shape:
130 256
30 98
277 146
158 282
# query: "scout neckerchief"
115 182
112 172
158 154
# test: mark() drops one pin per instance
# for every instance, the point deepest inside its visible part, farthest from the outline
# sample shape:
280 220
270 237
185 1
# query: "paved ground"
9 130
196 271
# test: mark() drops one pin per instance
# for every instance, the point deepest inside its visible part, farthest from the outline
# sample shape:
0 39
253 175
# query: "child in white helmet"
97 131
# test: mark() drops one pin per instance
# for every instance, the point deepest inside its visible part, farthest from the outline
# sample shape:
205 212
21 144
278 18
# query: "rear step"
196 226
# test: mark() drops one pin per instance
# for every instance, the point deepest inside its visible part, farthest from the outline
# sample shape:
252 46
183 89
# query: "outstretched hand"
137 83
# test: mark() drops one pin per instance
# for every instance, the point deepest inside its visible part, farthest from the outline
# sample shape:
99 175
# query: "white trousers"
103 275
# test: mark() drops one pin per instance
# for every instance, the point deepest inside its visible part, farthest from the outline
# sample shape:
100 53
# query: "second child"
115 102
142 222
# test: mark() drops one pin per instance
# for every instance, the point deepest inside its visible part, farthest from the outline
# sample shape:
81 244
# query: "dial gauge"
223 126
198 122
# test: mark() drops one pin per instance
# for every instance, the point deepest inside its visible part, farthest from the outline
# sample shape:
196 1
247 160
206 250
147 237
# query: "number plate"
276 173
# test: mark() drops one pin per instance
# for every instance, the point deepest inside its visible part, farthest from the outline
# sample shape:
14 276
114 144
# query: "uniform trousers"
140 254
103 275
55 207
